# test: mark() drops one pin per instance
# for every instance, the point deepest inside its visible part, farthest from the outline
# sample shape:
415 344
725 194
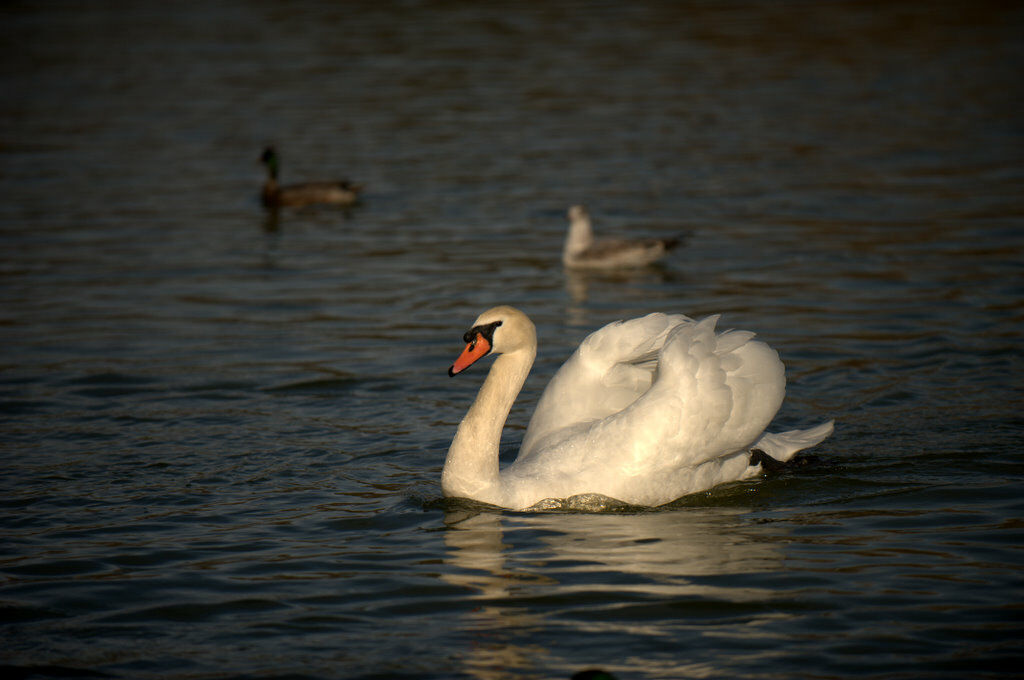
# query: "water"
222 434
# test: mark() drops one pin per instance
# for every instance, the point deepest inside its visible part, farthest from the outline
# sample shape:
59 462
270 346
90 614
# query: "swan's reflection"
475 547
512 562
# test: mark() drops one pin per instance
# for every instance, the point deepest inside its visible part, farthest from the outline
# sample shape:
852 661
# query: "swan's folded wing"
713 396
611 368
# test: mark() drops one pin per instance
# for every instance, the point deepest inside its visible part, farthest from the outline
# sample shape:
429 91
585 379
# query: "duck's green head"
269 158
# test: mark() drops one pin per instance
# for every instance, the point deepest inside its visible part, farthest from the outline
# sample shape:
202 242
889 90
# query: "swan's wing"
713 396
610 369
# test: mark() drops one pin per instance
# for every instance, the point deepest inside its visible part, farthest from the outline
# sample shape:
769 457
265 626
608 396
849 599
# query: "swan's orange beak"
477 348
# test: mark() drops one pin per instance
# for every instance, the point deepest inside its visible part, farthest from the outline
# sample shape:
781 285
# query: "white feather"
644 411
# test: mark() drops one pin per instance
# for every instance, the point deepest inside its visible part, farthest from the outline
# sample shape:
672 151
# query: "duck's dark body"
308 193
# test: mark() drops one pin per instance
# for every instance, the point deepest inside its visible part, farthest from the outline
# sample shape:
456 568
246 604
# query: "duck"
644 412
583 251
343 193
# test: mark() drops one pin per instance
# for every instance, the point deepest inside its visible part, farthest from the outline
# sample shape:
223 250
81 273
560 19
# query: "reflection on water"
616 574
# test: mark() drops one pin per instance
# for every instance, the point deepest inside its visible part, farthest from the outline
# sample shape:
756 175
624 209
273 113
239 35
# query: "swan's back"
651 409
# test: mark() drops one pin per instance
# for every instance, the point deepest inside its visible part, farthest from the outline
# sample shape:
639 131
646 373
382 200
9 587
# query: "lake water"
221 433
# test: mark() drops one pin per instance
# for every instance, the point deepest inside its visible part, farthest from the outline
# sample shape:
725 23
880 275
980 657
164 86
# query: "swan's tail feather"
783 445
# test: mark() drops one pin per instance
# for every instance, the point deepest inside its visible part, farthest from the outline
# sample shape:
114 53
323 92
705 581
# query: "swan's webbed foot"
767 463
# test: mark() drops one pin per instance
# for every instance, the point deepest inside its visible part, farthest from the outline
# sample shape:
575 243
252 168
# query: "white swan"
582 251
644 411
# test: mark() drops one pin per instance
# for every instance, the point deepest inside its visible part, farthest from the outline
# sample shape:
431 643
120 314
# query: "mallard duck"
307 193
582 250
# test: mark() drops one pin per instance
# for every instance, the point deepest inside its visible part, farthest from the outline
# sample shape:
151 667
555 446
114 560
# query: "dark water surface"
221 434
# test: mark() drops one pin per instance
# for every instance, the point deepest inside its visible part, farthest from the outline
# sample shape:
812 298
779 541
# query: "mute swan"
307 193
644 411
581 250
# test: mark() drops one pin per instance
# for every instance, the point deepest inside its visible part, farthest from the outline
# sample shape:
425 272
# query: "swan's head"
501 330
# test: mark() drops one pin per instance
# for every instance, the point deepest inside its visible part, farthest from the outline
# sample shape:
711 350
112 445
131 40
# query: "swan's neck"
471 469
580 237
